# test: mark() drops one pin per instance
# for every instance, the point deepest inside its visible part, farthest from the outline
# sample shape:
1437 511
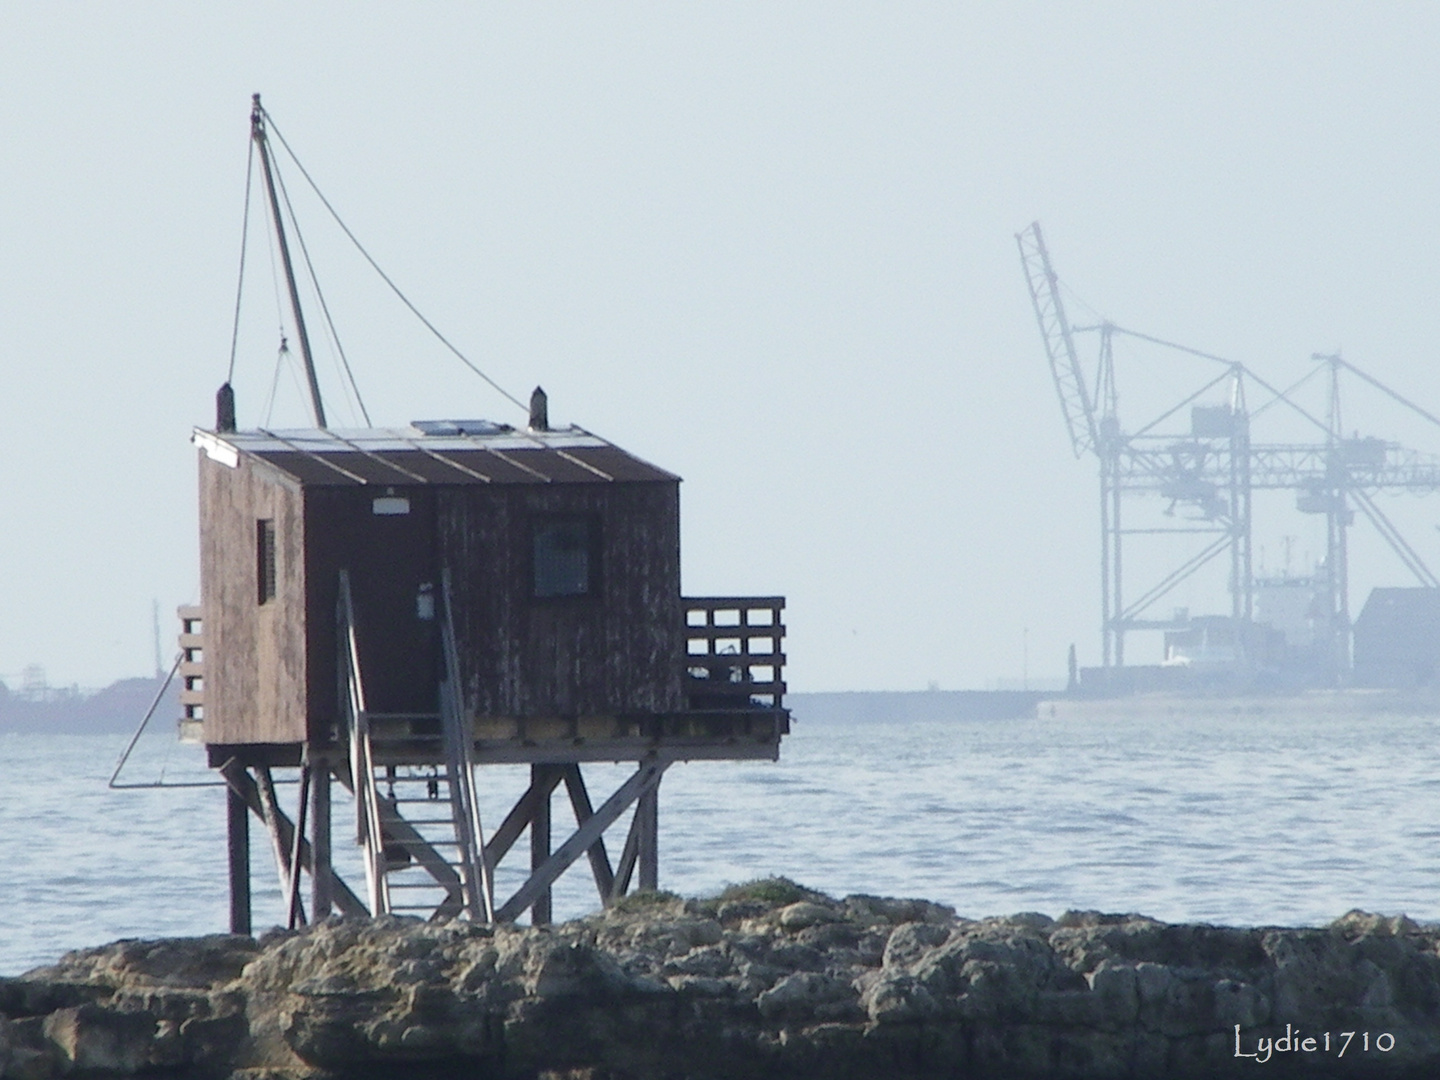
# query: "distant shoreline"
116 708
120 706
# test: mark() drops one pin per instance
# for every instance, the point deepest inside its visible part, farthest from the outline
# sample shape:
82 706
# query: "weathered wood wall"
619 651
255 664
271 667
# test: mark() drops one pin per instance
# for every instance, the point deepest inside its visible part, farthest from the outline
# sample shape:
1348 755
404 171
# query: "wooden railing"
192 668
733 657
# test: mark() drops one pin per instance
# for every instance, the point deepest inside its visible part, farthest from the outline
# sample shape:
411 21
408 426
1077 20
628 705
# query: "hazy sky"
767 246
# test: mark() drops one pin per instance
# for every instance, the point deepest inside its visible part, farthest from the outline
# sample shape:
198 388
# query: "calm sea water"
1251 820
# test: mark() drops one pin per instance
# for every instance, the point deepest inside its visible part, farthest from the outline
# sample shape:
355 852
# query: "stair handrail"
460 762
370 833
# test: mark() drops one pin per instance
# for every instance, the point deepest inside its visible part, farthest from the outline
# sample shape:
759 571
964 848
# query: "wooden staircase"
413 777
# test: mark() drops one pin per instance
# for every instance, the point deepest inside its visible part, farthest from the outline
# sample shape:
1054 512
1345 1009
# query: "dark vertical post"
322 890
649 811
294 906
237 828
540 912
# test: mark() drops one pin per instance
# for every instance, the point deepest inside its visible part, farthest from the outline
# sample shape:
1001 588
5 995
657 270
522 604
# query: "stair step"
418 885
410 778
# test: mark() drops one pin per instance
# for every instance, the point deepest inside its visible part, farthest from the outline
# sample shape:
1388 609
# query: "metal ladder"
417 821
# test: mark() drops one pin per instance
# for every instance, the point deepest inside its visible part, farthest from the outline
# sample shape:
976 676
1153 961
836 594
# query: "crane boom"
1075 401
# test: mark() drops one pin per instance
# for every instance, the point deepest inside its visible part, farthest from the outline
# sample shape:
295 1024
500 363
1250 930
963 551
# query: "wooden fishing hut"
391 610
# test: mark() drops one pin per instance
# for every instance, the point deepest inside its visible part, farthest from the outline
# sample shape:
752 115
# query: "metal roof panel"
397 457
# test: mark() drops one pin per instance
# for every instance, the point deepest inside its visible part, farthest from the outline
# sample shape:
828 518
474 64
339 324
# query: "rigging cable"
324 307
386 277
275 284
280 356
244 243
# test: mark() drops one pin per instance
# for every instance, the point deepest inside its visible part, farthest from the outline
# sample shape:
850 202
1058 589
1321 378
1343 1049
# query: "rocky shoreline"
767 980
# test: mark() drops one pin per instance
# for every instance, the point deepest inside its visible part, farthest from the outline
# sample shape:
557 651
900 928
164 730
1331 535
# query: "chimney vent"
539 411
225 408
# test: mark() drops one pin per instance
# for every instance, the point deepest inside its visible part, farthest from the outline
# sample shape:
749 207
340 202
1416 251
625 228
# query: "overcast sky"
767 246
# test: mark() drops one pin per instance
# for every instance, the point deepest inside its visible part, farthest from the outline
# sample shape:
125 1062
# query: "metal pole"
1118 603
262 143
1104 562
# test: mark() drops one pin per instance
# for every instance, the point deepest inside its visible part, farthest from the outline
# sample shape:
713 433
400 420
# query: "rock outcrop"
769 980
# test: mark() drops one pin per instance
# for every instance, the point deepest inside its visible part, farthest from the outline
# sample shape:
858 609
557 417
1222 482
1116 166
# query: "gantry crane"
1213 469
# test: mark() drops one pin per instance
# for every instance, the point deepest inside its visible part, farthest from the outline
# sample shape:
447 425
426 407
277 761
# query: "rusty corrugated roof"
433 452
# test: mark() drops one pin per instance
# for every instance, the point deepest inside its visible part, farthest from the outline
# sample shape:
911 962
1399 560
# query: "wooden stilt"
294 906
237 828
625 868
582 840
322 893
540 911
518 820
252 793
647 815
280 836
580 803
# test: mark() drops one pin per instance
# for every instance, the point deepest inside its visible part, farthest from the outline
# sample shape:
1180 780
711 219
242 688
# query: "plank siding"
606 654
272 673
254 653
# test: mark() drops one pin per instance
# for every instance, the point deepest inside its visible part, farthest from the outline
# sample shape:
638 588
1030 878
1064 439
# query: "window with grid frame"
565 560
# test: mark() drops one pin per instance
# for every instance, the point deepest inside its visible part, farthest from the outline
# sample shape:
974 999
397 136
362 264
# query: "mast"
262 143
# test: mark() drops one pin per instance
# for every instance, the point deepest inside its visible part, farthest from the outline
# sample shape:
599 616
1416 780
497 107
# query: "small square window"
565 557
265 559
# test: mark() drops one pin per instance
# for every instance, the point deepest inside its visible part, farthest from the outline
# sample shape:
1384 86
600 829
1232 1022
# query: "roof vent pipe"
539 411
225 408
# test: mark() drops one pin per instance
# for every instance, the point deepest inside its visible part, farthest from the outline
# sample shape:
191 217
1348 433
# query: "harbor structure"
1181 486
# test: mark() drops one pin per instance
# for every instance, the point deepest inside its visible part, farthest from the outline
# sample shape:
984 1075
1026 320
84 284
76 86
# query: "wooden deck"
734 693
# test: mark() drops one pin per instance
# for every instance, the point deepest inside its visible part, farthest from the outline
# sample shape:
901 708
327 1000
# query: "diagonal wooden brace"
243 784
521 814
625 868
599 857
583 839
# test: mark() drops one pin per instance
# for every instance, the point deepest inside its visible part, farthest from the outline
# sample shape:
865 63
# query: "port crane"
1211 468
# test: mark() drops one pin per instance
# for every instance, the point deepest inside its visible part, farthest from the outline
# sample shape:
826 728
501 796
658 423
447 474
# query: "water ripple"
1247 820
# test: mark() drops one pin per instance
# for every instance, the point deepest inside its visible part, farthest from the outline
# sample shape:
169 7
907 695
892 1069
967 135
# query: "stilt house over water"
389 610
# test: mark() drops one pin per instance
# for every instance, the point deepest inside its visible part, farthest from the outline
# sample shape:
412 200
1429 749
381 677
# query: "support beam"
281 835
237 831
540 911
519 817
295 907
322 893
580 803
625 868
582 840
647 816
244 786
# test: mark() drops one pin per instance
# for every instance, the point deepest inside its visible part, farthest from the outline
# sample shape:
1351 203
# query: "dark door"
395 584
